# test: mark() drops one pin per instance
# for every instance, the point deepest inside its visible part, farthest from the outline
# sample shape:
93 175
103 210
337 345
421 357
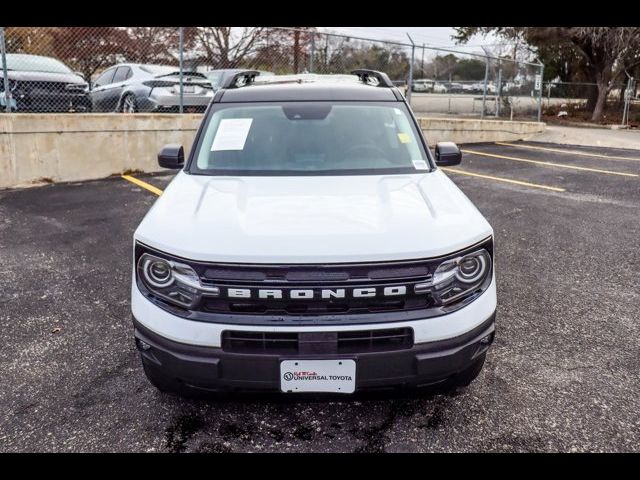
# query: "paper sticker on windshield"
232 134
404 138
420 165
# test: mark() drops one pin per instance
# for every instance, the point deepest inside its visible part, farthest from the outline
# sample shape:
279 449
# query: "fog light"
142 345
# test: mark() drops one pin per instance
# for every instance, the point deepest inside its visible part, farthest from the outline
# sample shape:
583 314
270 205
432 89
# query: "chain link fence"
566 101
178 69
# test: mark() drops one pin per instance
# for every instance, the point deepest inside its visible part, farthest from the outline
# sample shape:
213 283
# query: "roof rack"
382 78
248 75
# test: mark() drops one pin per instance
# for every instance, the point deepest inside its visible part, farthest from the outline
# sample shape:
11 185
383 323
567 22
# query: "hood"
323 219
45 77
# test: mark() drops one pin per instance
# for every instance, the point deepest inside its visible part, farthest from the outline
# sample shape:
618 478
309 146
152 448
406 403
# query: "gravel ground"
561 376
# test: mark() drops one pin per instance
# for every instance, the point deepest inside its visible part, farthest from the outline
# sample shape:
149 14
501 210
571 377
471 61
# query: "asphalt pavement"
561 376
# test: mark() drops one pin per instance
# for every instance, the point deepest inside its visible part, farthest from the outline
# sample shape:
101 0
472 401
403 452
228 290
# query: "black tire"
128 104
464 378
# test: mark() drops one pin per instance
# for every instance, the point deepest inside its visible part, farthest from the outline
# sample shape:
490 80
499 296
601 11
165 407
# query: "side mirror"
447 153
171 156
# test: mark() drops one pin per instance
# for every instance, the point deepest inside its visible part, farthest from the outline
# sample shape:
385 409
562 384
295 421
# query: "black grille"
316 307
316 293
286 278
349 342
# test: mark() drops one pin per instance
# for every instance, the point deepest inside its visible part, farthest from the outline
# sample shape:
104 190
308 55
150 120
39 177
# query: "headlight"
461 277
173 281
157 272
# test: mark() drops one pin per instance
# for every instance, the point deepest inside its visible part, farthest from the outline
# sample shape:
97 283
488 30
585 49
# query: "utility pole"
422 75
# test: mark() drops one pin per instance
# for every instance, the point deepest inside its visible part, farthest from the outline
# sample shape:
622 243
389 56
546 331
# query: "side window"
105 78
122 73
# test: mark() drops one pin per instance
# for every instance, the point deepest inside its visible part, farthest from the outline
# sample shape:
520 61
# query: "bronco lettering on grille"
325 293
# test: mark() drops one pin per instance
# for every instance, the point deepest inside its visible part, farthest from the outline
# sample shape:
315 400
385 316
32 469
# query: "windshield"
35 63
311 138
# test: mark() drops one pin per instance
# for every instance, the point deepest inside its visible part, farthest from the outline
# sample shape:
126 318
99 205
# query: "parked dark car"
132 87
44 84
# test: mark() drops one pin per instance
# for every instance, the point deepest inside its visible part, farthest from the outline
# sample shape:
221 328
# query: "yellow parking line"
552 164
571 152
505 180
142 184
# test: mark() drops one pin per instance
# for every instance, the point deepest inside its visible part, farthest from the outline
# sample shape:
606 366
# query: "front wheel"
129 104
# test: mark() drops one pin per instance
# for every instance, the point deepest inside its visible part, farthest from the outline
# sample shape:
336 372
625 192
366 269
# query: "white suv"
310 243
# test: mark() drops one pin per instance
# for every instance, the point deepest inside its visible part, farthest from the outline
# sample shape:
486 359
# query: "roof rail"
364 75
248 75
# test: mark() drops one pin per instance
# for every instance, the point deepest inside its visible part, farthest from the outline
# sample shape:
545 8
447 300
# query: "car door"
100 90
117 86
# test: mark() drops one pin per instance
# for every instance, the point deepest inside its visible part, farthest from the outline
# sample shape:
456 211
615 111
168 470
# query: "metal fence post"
5 78
484 88
410 81
499 90
628 93
540 92
181 48
313 52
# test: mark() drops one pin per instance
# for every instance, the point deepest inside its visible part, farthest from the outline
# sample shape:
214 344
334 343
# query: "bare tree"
89 49
154 44
607 52
228 47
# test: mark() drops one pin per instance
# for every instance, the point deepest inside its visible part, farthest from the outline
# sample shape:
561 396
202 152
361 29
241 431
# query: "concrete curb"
46 148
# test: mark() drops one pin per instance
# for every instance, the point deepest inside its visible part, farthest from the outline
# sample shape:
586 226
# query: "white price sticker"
232 134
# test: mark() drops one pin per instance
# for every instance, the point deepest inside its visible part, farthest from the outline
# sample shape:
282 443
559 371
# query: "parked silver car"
130 87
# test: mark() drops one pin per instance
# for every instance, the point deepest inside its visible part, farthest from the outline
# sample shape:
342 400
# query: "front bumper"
53 102
213 369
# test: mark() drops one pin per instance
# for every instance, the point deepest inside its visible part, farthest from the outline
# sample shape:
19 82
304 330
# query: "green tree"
469 69
603 53
444 65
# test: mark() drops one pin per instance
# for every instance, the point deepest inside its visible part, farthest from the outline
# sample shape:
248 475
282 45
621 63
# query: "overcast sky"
432 36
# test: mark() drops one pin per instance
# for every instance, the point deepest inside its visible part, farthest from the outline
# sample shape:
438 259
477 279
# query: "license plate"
336 376
188 88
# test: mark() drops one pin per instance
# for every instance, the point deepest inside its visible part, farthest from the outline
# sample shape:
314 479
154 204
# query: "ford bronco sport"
310 243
